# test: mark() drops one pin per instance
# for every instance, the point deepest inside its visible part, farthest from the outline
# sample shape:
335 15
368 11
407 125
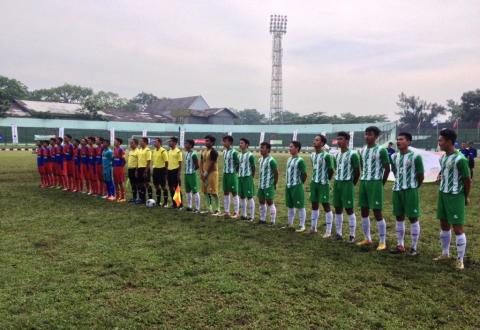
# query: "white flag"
112 135
262 137
144 132
229 133
295 134
182 138
61 132
350 144
14 134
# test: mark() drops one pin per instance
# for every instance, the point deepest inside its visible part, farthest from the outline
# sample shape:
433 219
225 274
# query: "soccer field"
73 261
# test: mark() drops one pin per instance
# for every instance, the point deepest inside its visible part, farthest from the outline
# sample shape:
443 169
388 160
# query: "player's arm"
385 163
252 165
463 168
200 165
419 169
330 166
236 161
180 161
303 170
196 164
149 161
274 167
355 160
213 161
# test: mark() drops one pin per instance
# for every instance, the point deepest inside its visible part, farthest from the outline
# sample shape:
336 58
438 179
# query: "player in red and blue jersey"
40 163
68 166
77 183
59 163
84 171
50 153
91 166
119 170
45 160
102 188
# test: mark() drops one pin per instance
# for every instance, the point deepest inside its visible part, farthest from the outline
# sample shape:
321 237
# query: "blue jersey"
107 160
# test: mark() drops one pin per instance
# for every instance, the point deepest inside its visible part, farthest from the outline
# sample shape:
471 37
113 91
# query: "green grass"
73 261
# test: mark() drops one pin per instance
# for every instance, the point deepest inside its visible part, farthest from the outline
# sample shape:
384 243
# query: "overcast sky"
339 56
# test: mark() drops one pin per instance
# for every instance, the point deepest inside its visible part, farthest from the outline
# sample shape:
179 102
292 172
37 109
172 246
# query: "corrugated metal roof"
52 107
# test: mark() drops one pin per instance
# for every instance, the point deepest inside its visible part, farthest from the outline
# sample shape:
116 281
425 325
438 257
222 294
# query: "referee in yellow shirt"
143 170
159 164
132 164
174 168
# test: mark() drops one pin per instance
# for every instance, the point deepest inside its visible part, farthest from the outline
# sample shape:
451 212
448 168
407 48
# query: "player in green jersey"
267 183
246 172
347 173
191 179
294 191
230 177
455 183
375 169
407 166
322 164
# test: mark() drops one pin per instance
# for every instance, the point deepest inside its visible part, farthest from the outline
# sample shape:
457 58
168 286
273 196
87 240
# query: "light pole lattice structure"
278 27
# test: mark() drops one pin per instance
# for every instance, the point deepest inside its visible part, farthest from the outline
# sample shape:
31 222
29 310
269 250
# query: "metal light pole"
278 27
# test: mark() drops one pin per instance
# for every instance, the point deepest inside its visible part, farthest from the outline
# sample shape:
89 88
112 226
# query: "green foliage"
144 99
10 89
102 101
71 260
470 106
250 117
66 93
415 112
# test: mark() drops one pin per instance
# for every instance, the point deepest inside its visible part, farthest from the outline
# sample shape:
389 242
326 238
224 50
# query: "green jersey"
405 167
454 169
267 167
230 161
190 158
373 161
321 163
295 169
247 164
346 162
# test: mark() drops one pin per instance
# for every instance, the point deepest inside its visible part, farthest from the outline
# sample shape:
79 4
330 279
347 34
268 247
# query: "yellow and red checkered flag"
177 197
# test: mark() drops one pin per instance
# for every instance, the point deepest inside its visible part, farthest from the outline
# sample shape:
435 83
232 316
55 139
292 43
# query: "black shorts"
172 177
160 176
471 163
143 175
131 176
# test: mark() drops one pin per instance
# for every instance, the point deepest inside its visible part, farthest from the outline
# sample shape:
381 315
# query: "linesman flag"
177 197
455 124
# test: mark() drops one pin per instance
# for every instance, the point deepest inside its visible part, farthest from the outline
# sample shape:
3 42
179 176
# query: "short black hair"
60 139
119 140
100 139
247 141
211 138
322 138
135 141
174 139
449 134
77 140
107 141
145 139
53 140
297 145
190 142
69 136
344 135
267 145
391 143
373 129
159 140
91 138
406 135
228 138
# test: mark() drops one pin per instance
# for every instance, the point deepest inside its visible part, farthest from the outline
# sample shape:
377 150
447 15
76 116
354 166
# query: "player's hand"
467 201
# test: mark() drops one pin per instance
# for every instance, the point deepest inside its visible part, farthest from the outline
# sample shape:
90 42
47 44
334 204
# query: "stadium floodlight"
278 27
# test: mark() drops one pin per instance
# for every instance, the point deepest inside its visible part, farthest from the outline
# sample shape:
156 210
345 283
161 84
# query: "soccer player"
77 167
119 170
472 155
45 160
375 170
267 183
107 164
174 169
92 174
102 188
68 165
59 163
84 160
159 163
246 173
347 173
132 164
230 177
209 175
294 192
407 166
322 163
51 163
143 170
191 179
40 163
455 183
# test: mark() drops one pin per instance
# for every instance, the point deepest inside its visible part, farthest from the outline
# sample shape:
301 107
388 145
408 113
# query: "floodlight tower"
278 27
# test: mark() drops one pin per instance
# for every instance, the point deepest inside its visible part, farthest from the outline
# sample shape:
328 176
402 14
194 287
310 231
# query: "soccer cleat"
382 247
327 235
271 224
412 252
351 239
121 200
365 242
399 249
459 265
442 257
250 219
234 216
196 211
189 209
243 217
262 222
313 230
131 200
288 227
300 229
111 198
338 237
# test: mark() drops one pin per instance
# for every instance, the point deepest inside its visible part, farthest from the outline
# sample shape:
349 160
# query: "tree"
414 112
288 117
455 110
470 106
144 99
66 93
101 101
10 90
250 117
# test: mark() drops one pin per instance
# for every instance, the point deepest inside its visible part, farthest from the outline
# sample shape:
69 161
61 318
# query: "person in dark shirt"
390 150
464 150
472 154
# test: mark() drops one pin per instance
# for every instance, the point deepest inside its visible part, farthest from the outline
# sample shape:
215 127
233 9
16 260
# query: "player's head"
158 143
343 139
53 141
117 142
265 148
143 142
244 143
471 144
105 143
99 140
390 144
295 147
210 141
76 142
447 139
91 139
67 138
404 139
464 145
319 141
59 140
172 142
189 144
371 134
133 143
83 141
227 141
44 143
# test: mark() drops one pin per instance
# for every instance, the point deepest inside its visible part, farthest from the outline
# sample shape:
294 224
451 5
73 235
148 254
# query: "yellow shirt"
159 157
144 155
175 156
132 160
